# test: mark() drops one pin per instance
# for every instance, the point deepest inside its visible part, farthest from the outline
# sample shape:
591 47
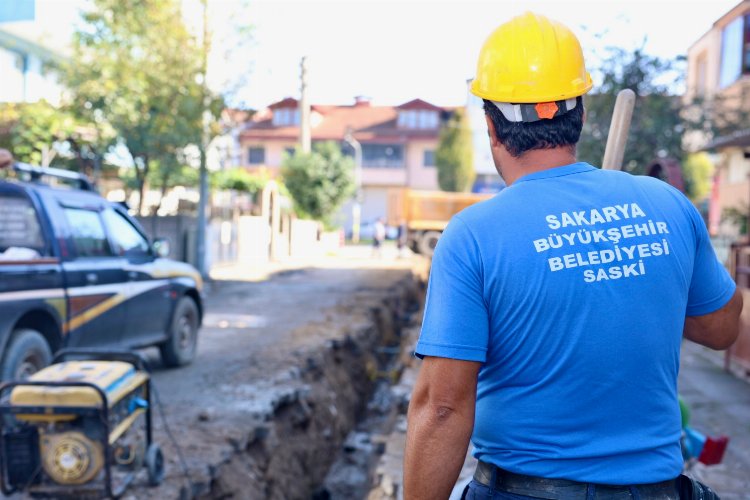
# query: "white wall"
12 81
24 79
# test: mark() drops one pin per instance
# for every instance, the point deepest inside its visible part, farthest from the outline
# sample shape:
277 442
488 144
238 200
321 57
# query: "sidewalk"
351 256
719 404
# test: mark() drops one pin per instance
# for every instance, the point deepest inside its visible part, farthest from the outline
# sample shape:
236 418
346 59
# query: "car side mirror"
161 247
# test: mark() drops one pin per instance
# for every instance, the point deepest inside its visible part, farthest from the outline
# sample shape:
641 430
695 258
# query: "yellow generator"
79 428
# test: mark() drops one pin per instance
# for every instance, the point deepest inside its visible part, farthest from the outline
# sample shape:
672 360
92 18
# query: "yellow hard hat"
531 59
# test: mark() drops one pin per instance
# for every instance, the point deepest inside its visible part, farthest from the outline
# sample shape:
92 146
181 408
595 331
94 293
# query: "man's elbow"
732 328
717 330
441 412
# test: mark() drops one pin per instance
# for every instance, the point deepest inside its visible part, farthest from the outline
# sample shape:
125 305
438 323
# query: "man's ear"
494 141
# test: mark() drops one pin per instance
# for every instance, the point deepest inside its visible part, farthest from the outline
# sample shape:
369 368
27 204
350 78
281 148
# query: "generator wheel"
428 242
154 464
179 349
27 352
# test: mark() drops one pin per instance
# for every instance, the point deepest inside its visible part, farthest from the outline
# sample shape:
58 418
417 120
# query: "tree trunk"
141 175
162 193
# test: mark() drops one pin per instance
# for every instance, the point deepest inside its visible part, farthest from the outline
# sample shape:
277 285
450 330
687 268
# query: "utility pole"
357 205
201 236
304 109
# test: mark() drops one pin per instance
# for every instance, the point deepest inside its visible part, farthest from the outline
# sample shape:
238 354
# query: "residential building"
719 73
24 66
398 143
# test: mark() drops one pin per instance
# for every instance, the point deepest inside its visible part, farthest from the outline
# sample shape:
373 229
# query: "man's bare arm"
719 329
440 422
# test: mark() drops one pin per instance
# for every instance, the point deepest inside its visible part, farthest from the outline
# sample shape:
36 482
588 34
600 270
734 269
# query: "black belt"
563 489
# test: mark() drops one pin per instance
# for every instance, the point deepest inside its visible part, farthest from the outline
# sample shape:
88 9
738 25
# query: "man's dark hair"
520 137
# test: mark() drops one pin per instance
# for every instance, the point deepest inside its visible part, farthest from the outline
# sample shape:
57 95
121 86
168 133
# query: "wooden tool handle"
6 159
618 130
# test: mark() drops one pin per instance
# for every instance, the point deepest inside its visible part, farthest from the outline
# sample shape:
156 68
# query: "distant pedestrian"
402 237
378 237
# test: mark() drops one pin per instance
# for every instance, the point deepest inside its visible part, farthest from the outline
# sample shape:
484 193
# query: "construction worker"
555 310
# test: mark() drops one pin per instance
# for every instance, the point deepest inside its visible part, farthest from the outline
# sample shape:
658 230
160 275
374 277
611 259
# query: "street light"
356 206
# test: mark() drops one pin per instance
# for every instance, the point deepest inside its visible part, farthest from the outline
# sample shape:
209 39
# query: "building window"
383 155
290 151
418 119
256 156
285 117
746 48
429 158
734 48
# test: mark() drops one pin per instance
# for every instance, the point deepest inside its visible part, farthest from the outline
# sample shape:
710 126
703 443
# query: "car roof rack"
35 174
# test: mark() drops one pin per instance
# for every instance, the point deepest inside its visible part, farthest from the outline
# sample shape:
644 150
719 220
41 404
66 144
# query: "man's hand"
440 422
719 329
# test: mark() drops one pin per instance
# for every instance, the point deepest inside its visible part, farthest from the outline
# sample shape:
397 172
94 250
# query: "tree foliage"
319 182
698 171
454 157
42 134
239 179
136 66
713 117
35 128
656 128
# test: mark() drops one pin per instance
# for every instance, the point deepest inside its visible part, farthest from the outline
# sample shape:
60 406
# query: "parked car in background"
77 271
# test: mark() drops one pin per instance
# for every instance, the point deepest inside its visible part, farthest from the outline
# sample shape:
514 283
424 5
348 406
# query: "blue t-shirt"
572 287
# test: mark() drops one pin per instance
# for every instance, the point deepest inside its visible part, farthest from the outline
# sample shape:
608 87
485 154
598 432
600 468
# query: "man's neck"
537 161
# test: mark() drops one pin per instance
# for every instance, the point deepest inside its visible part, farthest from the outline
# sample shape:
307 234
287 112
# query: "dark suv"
77 271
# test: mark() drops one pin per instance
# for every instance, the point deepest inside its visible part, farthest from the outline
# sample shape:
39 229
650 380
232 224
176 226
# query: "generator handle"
131 357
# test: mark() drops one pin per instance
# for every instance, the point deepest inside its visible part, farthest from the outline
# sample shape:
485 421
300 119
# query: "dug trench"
309 430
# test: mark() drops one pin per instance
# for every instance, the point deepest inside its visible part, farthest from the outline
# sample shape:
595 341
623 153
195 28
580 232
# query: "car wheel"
428 242
183 334
27 352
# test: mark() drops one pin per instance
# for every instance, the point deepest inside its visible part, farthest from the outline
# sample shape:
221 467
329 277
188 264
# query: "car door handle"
92 278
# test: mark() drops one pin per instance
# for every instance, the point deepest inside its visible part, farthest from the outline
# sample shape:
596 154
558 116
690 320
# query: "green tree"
656 128
239 179
42 134
718 116
37 128
168 173
319 182
454 157
136 66
698 172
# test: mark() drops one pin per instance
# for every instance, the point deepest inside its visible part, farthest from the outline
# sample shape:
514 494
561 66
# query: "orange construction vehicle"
424 214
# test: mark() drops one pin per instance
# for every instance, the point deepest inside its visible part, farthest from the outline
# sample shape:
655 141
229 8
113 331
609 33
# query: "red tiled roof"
289 102
418 104
368 123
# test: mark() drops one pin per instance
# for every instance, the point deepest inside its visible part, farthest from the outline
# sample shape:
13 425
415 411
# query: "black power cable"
183 463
